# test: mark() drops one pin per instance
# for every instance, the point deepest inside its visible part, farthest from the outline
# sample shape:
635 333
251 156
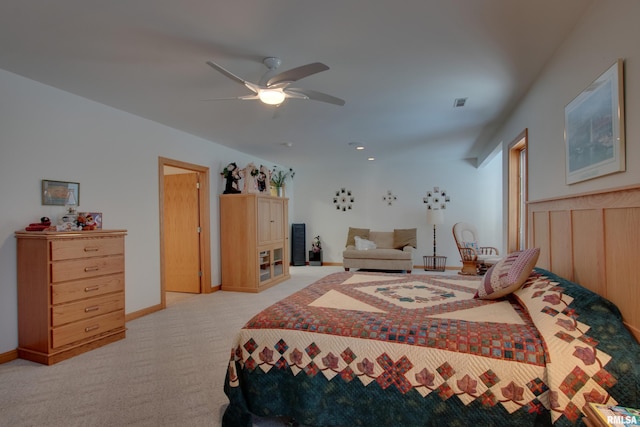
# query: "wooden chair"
475 259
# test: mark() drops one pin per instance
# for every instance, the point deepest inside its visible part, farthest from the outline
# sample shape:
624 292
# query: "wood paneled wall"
593 239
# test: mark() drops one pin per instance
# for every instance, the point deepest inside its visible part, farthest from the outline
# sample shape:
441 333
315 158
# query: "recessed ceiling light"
371 158
360 147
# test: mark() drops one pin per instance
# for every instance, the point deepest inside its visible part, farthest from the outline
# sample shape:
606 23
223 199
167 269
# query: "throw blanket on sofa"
382 349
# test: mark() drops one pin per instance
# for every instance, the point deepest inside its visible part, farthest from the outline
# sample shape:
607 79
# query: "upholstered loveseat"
393 249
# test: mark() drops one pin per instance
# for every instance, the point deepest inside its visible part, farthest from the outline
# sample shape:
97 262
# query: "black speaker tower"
298 244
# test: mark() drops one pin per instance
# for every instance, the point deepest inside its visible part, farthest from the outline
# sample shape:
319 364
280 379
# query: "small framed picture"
93 220
60 193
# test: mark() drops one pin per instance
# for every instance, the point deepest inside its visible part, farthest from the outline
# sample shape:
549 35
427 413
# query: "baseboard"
8 356
141 313
212 289
330 264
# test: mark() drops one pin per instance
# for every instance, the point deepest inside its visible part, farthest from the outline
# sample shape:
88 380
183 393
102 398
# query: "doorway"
185 260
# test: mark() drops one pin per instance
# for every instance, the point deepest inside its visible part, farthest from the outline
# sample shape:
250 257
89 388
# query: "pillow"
360 232
472 245
364 244
508 274
404 237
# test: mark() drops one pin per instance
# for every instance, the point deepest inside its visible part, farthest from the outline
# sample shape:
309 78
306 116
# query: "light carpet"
169 371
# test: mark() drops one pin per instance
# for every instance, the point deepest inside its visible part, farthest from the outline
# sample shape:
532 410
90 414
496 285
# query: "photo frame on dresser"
594 128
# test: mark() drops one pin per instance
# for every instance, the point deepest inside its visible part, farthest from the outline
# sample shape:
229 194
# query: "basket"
435 263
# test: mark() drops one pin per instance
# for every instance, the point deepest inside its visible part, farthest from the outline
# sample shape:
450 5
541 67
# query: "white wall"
608 31
46 133
476 197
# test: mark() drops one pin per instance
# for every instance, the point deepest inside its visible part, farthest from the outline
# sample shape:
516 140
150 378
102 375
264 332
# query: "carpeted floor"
169 371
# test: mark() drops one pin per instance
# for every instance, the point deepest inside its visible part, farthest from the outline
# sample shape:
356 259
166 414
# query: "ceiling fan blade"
314 95
251 86
241 98
297 73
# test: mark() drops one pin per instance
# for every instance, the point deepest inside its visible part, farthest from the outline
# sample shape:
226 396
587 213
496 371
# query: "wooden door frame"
515 147
204 219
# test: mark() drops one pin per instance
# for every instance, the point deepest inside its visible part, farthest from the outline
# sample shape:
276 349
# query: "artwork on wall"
60 193
389 198
343 200
436 199
594 128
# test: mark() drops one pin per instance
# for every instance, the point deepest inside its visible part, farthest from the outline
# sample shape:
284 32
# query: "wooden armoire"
254 241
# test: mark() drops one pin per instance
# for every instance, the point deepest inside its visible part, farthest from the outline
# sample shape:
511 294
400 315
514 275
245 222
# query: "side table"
315 258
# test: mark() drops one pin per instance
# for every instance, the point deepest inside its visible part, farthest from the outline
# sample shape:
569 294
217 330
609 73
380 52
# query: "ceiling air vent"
459 102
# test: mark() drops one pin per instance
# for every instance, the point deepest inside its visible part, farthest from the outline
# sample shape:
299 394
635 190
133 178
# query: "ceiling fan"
274 88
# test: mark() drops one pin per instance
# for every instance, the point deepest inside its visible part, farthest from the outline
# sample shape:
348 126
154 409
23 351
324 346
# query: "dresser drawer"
80 289
85 248
85 309
62 271
88 328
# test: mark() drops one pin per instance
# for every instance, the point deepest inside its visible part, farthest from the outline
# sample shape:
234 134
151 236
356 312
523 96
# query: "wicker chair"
475 258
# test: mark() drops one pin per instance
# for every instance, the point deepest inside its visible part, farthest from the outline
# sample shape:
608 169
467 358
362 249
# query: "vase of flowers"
279 178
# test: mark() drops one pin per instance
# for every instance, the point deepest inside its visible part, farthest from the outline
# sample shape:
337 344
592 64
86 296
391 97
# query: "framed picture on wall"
60 193
594 128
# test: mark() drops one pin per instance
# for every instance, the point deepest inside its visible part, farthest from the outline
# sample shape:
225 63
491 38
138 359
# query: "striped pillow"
508 274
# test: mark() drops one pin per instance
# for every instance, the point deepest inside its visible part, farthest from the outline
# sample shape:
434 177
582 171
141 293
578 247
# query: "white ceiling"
398 64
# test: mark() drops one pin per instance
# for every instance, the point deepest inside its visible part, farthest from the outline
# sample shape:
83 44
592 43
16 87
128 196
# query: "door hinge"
198 229
197 185
199 273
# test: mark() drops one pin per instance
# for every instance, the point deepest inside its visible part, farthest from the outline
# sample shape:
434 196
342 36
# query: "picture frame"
594 128
95 219
60 193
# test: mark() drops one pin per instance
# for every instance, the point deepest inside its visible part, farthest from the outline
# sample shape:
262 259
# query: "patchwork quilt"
380 349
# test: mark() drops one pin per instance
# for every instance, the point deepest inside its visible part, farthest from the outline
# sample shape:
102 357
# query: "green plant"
280 176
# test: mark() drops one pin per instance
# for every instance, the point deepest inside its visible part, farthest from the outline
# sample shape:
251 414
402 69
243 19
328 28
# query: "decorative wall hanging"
436 199
594 128
389 198
60 193
343 200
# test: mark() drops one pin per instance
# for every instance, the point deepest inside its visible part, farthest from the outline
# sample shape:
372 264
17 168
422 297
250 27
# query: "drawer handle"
91 249
93 268
91 288
91 328
92 308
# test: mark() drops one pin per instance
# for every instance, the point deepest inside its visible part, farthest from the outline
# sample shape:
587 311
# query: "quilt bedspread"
388 349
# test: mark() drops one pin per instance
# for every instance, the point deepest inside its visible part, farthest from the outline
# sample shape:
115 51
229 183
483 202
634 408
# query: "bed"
381 349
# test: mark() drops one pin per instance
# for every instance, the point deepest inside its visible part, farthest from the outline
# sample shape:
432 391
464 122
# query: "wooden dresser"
70 292
254 241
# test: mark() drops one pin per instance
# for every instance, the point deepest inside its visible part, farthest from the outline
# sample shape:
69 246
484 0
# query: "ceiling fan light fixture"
271 96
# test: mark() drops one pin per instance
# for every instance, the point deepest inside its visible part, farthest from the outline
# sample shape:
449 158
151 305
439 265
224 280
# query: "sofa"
379 250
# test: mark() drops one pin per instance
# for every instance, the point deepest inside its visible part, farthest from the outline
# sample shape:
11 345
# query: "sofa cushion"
404 237
353 232
382 239
378 253
508 275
